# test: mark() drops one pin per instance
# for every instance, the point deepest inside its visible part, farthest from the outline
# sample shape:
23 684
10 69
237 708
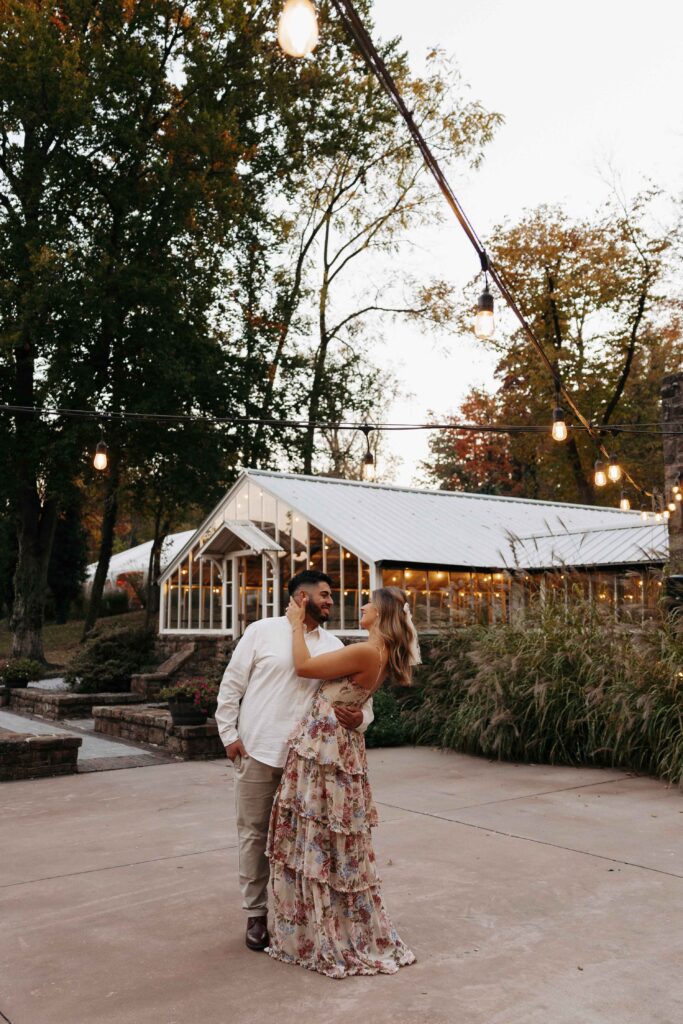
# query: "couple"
301 789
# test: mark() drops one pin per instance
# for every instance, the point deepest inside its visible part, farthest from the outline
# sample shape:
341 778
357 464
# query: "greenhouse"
461 558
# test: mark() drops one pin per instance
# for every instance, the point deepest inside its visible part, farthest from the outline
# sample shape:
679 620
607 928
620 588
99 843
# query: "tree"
480 463
595 292
352 212
68 561
129 133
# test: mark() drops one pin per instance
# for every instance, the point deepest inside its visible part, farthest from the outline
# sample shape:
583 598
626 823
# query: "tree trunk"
586 496
154 569
106 545
36 529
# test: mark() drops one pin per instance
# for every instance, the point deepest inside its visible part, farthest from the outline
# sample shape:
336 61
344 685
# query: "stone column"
672 418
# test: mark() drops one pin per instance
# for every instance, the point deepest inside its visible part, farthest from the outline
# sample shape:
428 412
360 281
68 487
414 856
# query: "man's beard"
317 614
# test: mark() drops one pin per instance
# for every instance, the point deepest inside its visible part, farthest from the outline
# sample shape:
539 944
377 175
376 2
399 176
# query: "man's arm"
357 719
233 686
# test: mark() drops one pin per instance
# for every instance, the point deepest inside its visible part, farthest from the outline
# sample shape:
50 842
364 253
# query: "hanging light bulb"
666 514
624 503
600 477
100 461
644 514
678 496
658 516
483 322
559 431
671 506
297 28
614 469
676 489
367 469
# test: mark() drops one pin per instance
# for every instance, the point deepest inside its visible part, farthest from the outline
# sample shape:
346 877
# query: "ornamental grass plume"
562 685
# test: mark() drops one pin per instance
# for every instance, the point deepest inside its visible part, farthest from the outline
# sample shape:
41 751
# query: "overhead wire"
354 25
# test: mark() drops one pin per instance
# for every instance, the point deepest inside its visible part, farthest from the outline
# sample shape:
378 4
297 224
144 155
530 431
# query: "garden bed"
152 726
58 705
25 756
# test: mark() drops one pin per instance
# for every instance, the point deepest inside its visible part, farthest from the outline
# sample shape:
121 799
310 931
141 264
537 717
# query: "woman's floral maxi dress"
328 910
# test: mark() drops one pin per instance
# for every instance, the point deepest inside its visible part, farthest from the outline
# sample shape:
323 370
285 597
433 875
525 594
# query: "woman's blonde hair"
396 628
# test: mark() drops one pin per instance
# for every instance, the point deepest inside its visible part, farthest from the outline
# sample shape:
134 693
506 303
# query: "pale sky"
583 87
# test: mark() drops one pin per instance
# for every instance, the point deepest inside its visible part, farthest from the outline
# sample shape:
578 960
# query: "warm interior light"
600 477
100 461
614 469
484 324
559 431
297 28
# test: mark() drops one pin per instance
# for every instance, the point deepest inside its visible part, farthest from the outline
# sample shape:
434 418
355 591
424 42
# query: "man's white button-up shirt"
274 699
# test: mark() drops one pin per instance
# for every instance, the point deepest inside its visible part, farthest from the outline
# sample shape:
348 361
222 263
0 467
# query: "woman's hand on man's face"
296 613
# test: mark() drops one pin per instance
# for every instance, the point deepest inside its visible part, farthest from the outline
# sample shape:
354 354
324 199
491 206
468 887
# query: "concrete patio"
531 895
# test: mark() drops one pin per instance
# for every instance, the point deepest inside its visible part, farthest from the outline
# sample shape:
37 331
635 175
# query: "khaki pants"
255 785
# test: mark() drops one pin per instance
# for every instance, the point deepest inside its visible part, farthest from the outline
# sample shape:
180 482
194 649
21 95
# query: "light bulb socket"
485 301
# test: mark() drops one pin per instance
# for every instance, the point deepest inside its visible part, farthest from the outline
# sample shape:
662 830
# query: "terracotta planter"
186 712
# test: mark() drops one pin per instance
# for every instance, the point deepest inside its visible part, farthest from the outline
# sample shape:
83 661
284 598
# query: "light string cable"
354 25
102 415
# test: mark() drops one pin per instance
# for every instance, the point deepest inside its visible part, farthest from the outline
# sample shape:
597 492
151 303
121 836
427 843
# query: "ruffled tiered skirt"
328 914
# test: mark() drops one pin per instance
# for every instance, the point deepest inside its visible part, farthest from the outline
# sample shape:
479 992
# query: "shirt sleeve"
368 716
234 684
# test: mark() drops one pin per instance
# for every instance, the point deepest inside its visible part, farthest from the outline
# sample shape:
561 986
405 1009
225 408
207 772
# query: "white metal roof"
397 524
236 535
625 545
137 559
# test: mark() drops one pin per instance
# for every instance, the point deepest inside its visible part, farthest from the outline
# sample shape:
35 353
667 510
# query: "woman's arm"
346 661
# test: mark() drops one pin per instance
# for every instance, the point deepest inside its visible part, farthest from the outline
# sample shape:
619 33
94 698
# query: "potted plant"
19 672
191 701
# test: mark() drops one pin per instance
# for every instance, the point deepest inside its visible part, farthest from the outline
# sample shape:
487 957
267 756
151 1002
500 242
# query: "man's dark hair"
308 576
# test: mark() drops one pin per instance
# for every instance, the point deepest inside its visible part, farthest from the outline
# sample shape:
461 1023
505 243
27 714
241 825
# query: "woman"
328 911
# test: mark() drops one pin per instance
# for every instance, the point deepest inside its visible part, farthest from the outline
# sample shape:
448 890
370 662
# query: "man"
274 699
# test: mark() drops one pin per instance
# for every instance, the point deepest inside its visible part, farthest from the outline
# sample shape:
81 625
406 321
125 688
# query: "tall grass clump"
560 686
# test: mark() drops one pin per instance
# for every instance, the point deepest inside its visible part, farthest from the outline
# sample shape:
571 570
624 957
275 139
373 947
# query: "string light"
484 324
624 503
614 469
599 476
368 464
101 459
297 28
559 431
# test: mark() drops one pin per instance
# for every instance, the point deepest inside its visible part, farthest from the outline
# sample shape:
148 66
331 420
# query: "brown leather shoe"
257 933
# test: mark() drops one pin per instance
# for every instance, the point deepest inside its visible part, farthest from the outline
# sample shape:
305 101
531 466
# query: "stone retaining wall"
210 651
153 726
25 756
57 704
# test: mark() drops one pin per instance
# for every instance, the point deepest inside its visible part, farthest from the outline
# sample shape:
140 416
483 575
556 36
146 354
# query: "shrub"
20 671
202 692
566 686
109 658
389 728
114 603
